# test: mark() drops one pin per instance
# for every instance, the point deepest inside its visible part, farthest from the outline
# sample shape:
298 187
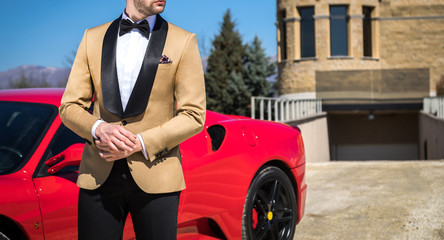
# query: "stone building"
371 61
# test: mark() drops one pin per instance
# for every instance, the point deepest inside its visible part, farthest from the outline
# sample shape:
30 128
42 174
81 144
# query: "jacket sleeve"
190 105
77 97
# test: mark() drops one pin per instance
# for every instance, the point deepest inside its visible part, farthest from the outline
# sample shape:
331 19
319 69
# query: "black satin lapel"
142 89
110 84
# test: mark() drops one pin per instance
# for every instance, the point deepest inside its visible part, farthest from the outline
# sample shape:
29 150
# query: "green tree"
224 76
239 95
257 69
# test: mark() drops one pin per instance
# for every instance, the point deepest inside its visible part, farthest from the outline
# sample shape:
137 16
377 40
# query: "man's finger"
112 146
100 145
129 135
123 137
108 147
103 154
124 141
109 157
122 144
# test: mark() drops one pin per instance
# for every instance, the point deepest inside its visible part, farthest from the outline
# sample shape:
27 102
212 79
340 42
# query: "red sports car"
245 178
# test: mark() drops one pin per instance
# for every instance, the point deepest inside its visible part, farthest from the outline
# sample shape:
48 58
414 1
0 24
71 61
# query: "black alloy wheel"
270 210
3 236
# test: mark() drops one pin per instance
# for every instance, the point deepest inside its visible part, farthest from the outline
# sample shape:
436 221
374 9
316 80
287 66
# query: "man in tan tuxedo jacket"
131 162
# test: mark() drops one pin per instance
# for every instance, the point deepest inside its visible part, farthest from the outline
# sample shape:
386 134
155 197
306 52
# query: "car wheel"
270 210
3 236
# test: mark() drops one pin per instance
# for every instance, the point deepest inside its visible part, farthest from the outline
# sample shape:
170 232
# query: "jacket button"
124 122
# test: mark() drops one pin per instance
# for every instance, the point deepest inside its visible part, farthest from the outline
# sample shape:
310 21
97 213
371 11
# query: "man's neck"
134 15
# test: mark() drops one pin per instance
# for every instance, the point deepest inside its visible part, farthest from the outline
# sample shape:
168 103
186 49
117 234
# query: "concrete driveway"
374 200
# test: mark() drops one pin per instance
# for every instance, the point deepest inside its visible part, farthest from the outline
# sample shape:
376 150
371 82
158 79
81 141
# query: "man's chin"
159 8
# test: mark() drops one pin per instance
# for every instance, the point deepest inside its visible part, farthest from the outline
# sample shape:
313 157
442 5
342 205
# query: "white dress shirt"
131 49
130 52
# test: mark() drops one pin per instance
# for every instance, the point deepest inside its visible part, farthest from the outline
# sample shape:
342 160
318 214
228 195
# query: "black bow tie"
126 25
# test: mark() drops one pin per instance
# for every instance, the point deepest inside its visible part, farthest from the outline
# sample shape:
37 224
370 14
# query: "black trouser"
103 211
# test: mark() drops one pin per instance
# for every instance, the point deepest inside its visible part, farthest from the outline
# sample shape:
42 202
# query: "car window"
22 126
61 141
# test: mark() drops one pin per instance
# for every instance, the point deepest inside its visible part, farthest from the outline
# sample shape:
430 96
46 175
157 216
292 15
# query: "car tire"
3 236
270 209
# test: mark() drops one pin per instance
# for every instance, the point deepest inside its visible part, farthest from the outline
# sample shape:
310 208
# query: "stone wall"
315 135
431 137
407 34
379 84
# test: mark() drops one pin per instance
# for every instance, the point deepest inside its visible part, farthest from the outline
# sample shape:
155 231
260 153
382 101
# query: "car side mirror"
71 156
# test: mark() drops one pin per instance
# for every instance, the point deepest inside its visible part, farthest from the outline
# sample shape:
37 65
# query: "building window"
307 32
367 31
282 36
338 30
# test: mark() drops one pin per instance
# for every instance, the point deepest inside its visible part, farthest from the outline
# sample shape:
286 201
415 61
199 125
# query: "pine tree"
239 95
223 79
257 69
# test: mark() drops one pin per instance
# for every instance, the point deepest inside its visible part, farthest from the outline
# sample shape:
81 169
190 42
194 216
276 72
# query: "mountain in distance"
32 76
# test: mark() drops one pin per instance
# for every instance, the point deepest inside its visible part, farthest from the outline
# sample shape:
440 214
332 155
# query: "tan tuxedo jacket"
166 107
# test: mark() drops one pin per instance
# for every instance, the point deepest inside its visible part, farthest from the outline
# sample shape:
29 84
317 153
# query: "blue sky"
45 32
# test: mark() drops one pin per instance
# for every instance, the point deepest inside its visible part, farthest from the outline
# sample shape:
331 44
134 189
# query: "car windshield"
22 126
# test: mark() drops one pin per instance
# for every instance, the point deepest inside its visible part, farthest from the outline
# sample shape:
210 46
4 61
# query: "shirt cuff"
145 154
93 130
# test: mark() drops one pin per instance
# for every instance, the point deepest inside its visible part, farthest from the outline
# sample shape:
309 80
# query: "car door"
58 193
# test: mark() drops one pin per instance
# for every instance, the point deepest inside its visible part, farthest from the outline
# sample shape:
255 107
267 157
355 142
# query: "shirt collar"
151 20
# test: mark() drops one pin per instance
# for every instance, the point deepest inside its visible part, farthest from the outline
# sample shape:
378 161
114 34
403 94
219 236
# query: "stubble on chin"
148 10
